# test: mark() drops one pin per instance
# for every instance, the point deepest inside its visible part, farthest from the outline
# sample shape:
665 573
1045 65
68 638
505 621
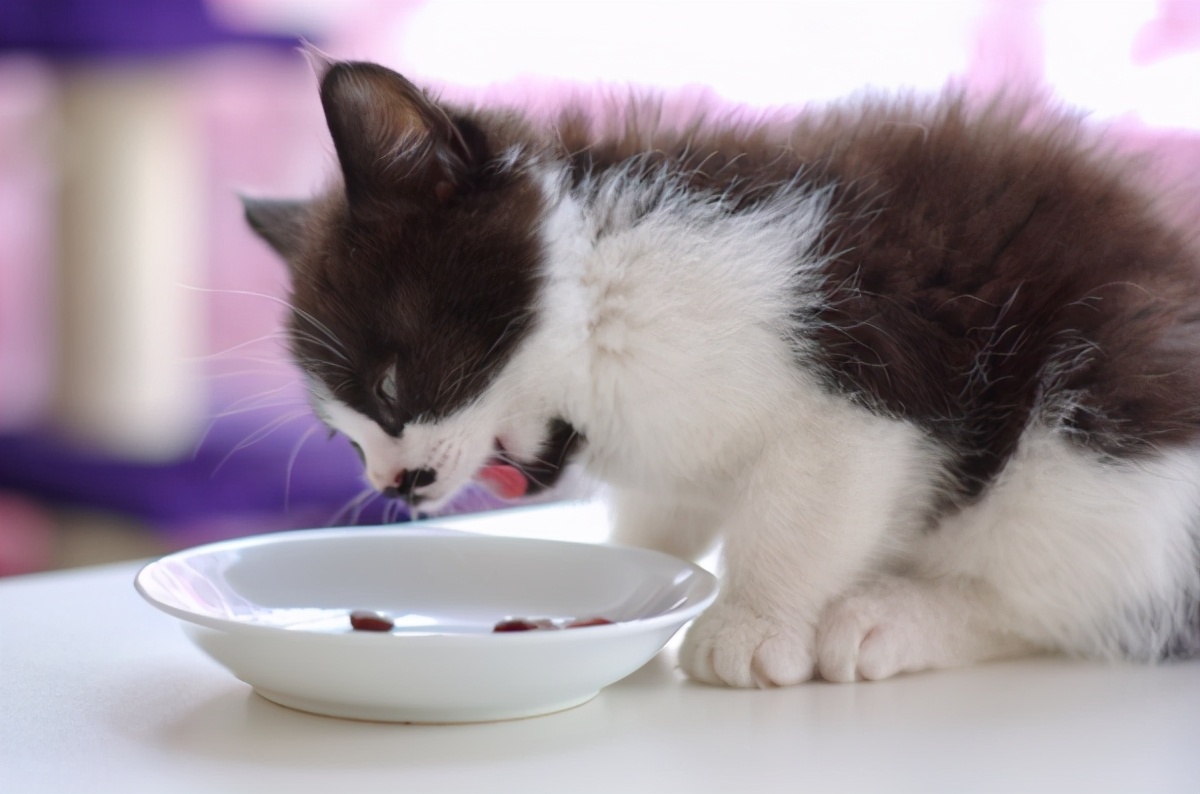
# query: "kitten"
931 370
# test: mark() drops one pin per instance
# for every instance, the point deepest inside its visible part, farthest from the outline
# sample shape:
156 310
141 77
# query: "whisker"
353 508
203 437
279 365
259 435
265 405
236 410
332 339
281 369
291 464
372 496
516 464
253 401
273 336
321 343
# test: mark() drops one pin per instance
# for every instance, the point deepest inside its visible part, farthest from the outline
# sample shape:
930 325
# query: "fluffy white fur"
670 344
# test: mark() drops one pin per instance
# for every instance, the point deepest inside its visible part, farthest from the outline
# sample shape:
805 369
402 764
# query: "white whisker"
332 343
353 508
287 479
259 435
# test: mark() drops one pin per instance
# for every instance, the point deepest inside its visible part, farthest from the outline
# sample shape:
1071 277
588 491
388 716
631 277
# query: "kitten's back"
988 265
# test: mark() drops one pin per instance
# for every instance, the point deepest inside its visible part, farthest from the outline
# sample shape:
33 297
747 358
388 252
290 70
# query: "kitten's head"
414 284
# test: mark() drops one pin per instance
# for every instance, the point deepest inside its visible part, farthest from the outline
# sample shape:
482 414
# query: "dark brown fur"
428 263
986 265
986 268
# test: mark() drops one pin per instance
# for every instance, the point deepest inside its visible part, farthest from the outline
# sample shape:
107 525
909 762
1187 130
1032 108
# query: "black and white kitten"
930 370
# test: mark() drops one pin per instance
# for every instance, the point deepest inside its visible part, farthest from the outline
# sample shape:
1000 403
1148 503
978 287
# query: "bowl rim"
705 580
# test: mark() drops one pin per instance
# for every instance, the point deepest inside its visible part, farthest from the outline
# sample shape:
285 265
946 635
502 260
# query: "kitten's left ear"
390 137
280 223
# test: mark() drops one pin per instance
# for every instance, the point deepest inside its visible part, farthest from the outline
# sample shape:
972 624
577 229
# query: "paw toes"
838 641
877 656
737 648
700 657
781 661
870 636
731 663
855 644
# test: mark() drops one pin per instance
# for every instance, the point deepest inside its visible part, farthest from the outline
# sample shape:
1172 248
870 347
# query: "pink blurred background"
190 322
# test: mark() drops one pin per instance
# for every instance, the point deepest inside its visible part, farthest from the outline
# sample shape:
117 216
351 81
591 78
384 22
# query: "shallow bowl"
274 610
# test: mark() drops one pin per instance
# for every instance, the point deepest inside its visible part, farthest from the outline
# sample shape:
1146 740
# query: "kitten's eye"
385 390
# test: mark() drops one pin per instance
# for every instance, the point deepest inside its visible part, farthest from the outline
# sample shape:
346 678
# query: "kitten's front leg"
801 533
682 527
761 630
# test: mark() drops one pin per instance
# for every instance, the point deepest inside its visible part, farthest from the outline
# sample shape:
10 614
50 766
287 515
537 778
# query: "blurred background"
146 402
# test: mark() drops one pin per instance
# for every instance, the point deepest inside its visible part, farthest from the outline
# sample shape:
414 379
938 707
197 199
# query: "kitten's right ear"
318 60
280 223
390 137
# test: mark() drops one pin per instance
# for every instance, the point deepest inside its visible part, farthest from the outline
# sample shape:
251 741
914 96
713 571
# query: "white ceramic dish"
273 609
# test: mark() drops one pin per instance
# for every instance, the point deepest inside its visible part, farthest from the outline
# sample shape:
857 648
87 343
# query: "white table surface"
100 692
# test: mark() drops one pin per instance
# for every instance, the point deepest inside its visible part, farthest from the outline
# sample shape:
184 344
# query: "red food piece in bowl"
366 620
584 622
526 624
523 624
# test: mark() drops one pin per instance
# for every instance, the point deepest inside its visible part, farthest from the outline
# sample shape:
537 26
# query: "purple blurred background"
141 376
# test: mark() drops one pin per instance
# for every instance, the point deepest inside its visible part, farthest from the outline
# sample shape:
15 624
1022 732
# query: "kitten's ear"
389 136
320 62
280 223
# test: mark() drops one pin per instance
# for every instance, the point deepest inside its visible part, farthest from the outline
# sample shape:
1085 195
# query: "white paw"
870 635
732 645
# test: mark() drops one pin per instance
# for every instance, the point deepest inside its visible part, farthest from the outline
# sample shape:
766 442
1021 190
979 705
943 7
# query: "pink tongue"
505 481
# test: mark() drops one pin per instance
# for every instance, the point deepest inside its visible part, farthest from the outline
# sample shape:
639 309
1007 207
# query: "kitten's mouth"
502 477
511 479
